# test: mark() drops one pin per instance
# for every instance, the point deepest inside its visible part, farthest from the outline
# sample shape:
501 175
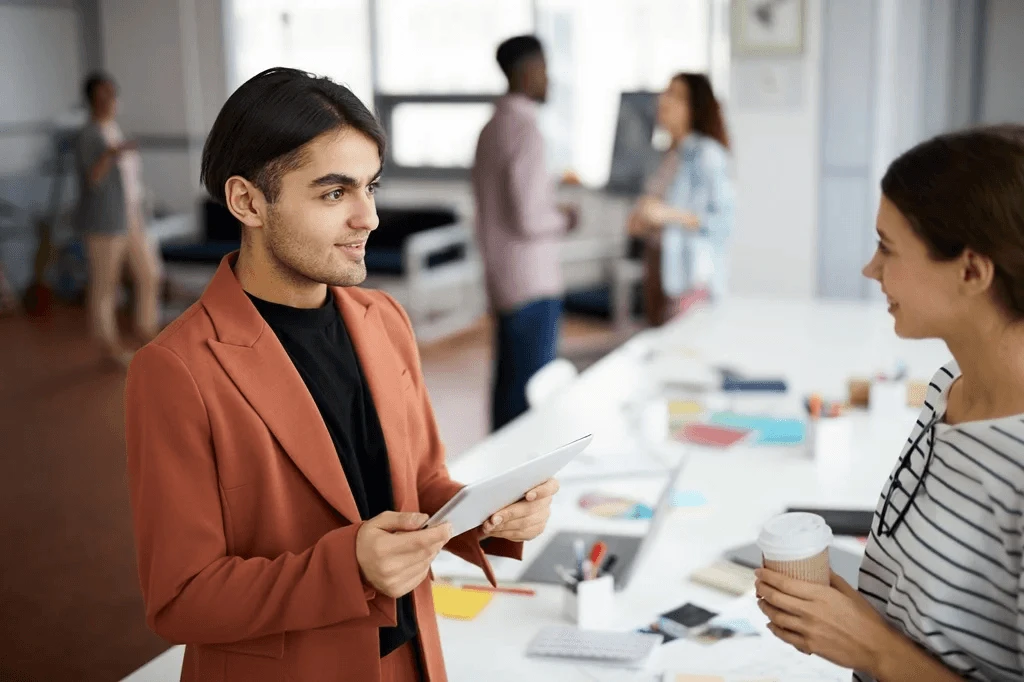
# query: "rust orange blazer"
245 524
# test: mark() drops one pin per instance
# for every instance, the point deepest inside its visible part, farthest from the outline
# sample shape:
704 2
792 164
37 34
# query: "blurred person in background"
110 219
519 229
283 455
687 205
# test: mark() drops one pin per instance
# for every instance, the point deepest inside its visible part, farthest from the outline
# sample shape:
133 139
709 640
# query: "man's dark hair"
514 51
93 81
262 129
966 190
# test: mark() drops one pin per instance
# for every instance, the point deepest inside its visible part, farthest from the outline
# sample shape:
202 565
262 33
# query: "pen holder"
590 604
888 398
829 438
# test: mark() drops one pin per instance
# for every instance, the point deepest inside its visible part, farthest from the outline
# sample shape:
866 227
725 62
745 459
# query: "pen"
578 547
523 591
567 577
588 569
609 563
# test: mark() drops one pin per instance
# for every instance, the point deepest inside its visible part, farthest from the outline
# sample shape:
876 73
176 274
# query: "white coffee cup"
796 544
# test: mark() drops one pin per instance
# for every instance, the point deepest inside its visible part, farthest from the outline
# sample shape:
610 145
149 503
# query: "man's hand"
394 555
572 216
526 519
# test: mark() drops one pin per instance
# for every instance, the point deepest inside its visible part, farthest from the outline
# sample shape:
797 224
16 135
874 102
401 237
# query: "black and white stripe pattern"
950 577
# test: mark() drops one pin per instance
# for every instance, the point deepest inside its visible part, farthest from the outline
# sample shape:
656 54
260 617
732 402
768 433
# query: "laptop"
629 550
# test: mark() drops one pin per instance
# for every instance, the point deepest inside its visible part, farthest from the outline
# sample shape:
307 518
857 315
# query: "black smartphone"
679 623
854 522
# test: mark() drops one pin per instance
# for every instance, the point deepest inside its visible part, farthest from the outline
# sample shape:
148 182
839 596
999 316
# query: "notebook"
770 430
711 435
454 602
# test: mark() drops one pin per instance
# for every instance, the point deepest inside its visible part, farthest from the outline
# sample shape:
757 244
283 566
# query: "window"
326 37
436 74
632 45
445 46
437 135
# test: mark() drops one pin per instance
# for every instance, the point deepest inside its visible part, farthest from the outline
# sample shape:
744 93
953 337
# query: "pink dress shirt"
519 227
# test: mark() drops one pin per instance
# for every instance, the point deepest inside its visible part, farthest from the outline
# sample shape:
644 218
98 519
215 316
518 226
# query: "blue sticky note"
639 511
770 430
688 498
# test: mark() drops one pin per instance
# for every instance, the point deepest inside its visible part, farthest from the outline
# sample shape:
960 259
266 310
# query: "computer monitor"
633 155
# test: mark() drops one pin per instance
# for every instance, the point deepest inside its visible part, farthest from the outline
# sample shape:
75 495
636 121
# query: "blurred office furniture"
422 255
549 380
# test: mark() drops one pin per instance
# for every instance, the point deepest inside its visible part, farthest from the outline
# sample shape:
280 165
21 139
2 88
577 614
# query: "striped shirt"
949 577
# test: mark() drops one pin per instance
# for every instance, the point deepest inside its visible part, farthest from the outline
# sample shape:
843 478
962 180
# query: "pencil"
523 591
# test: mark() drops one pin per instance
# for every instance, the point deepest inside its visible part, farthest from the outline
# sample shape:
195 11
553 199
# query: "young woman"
941 595
688 202
110 216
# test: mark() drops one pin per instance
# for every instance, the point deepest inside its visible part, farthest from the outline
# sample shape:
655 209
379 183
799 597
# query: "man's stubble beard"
303 263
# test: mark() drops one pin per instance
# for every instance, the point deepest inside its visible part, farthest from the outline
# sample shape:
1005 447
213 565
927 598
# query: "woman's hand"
834 622
657 213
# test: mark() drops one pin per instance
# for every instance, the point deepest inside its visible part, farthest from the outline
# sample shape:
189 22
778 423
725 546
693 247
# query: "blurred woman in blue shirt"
687 207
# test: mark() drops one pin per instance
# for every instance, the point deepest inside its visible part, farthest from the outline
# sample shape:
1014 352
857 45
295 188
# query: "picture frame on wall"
768 28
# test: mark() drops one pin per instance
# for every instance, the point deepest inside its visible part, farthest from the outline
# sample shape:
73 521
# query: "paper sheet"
454 602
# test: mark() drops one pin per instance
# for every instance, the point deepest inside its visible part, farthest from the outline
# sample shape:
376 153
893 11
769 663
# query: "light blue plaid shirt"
703 186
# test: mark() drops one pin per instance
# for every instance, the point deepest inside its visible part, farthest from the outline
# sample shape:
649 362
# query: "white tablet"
472 505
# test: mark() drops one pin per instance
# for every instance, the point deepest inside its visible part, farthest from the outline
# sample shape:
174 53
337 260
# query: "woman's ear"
977 272
245 201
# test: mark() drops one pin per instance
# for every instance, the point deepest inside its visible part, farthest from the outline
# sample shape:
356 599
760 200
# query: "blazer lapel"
260 368
383 373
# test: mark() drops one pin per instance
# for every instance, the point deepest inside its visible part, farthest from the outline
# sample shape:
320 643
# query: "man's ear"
245 201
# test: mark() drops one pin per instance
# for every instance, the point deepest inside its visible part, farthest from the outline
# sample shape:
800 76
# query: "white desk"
815 346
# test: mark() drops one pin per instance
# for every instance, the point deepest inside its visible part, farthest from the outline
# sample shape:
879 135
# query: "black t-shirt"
320 348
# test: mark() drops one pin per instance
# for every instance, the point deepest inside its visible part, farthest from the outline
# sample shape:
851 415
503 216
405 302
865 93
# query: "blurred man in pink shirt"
519 229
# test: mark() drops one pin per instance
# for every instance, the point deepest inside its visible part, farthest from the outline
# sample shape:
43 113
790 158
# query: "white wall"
1003 94
168 59
776 151
40 59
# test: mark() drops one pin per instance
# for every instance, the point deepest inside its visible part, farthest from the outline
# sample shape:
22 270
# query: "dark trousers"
526 339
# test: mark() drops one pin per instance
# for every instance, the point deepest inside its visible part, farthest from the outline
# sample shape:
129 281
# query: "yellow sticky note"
454 602
678 408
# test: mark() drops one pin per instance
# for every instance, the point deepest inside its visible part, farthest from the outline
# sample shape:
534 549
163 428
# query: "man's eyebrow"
882 235
342 179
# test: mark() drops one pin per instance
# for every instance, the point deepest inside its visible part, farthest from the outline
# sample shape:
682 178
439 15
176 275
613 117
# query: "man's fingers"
546 489
395 521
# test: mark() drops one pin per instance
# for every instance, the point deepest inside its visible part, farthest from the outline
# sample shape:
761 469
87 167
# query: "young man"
282 451
519 229
110 217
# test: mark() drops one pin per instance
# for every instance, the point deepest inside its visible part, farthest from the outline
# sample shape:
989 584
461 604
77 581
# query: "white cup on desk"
887 398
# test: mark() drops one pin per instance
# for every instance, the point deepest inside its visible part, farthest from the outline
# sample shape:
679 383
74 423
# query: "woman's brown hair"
705 112
965 190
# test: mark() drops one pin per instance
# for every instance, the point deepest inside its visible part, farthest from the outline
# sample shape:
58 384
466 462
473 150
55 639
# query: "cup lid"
792 536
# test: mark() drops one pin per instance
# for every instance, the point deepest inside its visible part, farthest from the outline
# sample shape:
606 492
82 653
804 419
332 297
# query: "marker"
597 554
578 548
609 563
814 405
